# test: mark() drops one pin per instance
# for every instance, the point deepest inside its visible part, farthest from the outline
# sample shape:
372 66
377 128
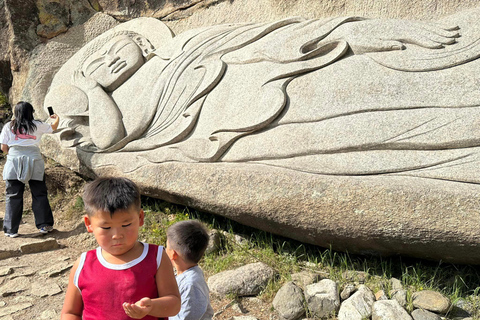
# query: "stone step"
29 241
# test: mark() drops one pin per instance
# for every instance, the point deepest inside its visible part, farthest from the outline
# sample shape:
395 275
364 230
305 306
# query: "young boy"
123 278
186 244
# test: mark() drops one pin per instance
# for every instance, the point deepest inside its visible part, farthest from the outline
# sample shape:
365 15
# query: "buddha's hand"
82 82
385 35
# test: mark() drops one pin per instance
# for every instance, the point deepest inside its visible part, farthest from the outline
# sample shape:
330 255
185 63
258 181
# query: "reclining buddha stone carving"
342 96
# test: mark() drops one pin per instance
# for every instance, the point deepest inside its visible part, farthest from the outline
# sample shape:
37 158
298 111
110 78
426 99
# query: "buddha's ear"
145 45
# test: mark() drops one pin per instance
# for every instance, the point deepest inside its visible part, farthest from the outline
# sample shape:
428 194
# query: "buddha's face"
114 63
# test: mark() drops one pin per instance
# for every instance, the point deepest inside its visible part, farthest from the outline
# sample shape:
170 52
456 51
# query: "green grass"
3 100
288 256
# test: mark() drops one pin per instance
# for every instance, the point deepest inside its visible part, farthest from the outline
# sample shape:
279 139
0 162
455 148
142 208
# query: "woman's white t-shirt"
24 140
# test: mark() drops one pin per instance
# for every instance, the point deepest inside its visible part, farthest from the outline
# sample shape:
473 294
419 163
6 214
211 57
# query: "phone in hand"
50 111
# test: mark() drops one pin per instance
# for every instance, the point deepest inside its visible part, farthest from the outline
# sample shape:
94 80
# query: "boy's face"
116 234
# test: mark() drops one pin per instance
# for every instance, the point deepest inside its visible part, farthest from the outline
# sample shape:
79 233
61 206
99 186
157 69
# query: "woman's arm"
168 304
73 304
105 119
5 148
56 121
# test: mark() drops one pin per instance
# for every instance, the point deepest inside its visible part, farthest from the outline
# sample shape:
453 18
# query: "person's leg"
13 206
40 205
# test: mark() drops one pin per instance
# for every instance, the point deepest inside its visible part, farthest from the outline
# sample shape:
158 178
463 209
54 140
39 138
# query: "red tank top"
105 286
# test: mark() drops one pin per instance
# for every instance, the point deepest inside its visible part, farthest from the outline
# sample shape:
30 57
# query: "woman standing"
20 139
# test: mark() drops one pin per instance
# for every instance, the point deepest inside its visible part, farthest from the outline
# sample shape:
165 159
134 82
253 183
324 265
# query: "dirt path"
32 285
34 268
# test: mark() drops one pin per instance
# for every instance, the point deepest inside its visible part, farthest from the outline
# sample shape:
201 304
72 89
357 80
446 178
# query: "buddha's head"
111 61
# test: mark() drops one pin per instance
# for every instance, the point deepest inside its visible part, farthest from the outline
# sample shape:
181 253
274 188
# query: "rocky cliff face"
26 24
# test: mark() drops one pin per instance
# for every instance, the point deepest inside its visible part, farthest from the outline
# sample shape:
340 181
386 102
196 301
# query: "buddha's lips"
118 66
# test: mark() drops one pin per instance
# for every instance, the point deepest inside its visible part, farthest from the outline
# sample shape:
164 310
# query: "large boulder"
247 280
424 218
312 143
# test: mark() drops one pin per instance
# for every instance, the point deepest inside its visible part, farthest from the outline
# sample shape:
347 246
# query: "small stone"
380 295
420 314
4 271
240 239
358 276
289 302
24 299
358 306
22 272
389 310
214 241
396 284
65 258
49 314
47 288
5 254
39 246
248 280
304 278
14 308
238 308
461 309
309 264
15 286
323 298
253 300
400 296
244 318
57 269
431 301
347 291
3 303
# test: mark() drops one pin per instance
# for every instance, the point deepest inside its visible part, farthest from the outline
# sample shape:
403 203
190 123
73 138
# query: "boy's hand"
138 310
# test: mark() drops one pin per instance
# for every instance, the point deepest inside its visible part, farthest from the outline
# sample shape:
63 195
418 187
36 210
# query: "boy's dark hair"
189 238
110 194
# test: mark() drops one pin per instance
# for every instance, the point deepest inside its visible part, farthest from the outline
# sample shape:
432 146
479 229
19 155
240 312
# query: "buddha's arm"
105 119
385 35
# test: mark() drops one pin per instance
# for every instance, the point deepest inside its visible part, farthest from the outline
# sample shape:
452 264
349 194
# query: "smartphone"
50 111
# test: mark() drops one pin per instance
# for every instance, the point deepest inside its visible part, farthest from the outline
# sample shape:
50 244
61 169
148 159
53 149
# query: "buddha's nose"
111 59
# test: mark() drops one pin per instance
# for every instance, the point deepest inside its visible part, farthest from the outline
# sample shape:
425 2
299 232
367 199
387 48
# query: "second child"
186 244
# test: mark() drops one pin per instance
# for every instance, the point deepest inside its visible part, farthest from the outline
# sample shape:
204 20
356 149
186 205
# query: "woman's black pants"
14 205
